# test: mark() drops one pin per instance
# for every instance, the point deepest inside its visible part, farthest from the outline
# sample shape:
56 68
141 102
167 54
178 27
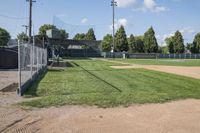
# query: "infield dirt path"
175 117
193 72
7 78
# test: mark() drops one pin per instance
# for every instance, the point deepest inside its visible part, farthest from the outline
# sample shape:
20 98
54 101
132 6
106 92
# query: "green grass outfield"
167 62
90 82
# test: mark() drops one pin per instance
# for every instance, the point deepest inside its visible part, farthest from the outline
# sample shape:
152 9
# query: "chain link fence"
149 55
32 60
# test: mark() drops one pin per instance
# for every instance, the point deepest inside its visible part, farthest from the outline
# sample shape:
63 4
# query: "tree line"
134 44
63 34
146 43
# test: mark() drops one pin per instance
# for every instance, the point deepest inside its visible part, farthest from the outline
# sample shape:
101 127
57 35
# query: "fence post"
19 69
37 59
33 50
31 58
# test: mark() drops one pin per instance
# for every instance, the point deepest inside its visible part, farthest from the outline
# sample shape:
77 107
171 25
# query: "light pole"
26 28
113 4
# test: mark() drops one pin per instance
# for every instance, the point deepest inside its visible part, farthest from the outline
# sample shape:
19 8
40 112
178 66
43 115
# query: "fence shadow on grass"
89 72
31 91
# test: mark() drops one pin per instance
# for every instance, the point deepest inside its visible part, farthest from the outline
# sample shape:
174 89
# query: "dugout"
8 58
76 48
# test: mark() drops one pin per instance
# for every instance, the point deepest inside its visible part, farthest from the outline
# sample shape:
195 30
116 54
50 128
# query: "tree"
79 36
22 37
191 47
63 34
170 45
121 43
196 44
44 28
178 43
140 44
106 43
132 44
90 35
136 44
150 42
163 50
4 37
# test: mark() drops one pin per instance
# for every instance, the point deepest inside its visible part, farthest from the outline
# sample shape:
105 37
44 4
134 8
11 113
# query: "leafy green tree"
178 43
64 35
170 45
44 28
90 35
4 37
121 43
132 44
79 36
136 44
163 50
196 44
139 44
106 43
190 47
150 42
22 37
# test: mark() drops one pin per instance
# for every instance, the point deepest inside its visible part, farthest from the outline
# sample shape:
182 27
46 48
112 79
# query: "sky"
166 16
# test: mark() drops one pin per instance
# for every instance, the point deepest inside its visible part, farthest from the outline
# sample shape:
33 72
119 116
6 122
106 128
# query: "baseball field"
116 82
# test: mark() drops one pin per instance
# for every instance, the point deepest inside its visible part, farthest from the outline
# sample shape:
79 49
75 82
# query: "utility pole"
113 4
30 19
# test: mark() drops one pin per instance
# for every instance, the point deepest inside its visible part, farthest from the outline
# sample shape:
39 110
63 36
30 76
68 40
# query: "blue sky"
166 16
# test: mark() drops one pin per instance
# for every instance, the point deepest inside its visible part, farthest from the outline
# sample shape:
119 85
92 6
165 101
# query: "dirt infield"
8 78
175 117
193 72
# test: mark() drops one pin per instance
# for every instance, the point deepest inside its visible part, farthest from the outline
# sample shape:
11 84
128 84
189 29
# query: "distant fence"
32 61
8 58
149 55
81 53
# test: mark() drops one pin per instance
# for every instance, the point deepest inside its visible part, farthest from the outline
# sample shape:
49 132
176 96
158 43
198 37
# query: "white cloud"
188 30
125 3
151 5
120 22
141 5
161 38
167 35
84 20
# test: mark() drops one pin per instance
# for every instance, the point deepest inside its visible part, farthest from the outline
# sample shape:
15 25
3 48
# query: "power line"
11 17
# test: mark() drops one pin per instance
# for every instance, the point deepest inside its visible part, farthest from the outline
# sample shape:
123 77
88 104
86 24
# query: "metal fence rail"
32 60
149 55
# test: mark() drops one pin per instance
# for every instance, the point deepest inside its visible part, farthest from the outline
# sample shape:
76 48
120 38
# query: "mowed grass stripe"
75 86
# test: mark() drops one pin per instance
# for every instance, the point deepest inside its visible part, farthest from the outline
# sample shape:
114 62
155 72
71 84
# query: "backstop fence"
32 61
